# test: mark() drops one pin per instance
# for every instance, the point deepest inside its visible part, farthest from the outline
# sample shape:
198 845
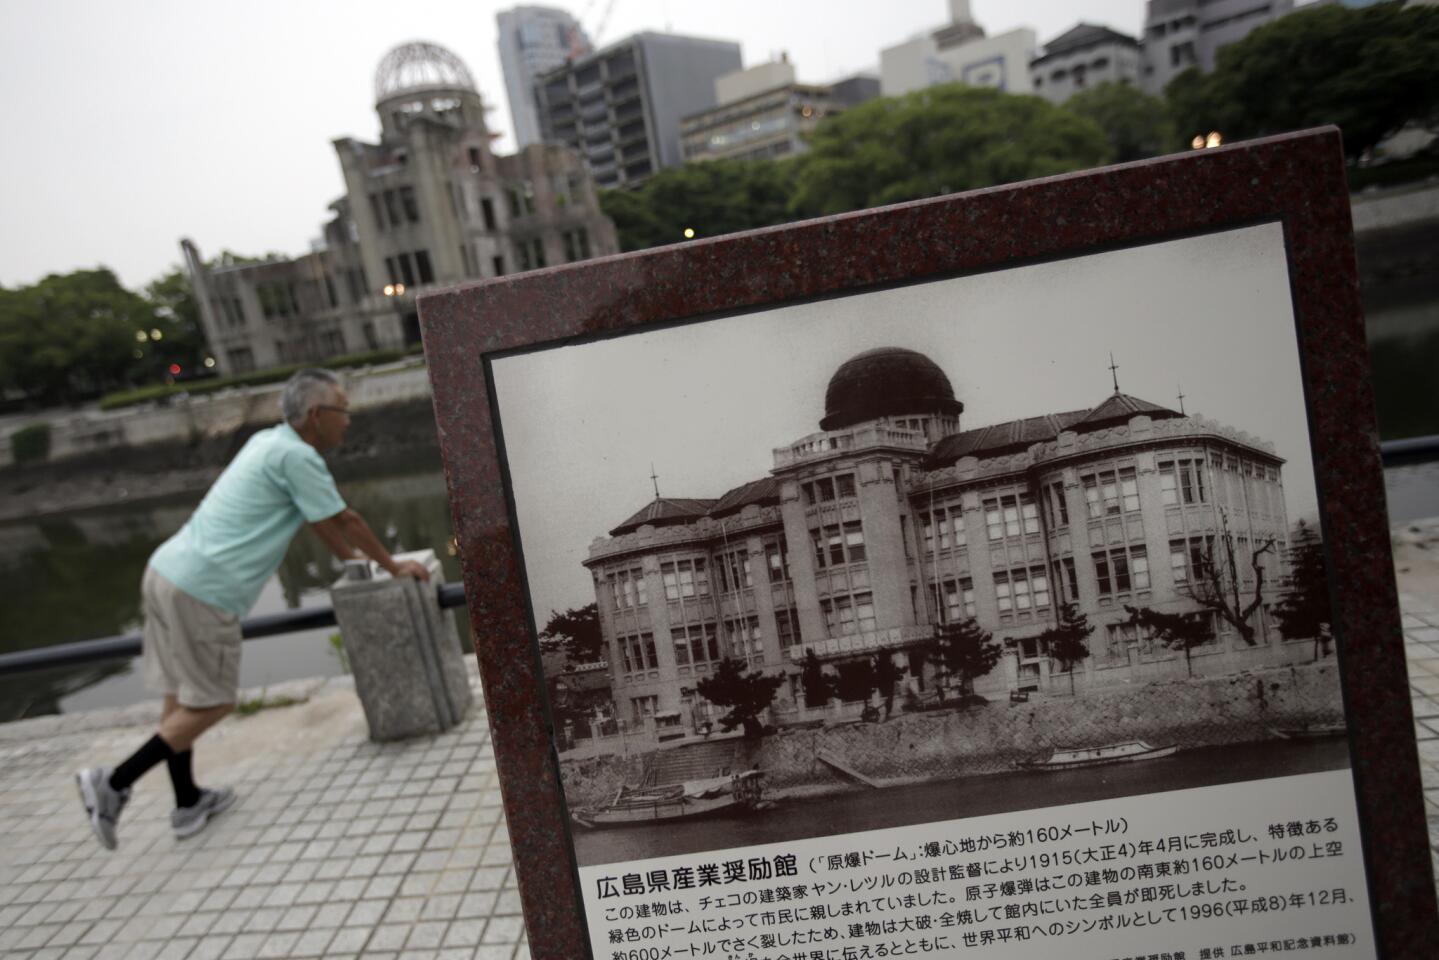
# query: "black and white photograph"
1032 537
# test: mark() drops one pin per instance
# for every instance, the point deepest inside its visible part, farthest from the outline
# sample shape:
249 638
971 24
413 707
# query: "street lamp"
689 233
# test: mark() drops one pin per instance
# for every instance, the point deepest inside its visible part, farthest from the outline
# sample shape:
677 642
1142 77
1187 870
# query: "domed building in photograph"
896 519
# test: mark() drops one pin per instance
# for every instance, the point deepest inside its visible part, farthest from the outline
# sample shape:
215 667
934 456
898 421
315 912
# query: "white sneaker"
188 821
103 803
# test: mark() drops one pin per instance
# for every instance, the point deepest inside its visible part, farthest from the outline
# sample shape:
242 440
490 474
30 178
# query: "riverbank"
995 738
396 434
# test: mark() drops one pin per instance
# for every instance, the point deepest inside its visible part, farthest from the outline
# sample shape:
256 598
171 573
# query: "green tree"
71 336
935 141
746 694
1135 124
965 651
1369 70
1177 631
710 198
577 632
818 685
1305 610
1068 640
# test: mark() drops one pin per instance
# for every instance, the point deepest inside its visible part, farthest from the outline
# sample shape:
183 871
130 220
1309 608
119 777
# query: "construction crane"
601 22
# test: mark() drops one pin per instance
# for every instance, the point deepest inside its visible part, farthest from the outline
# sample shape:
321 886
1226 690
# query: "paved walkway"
338 847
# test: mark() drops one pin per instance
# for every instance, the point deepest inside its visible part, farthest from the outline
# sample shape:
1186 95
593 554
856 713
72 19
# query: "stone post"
409 671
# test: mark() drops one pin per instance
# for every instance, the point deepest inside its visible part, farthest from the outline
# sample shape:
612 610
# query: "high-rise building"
959 51
428 205
1084 56
1179 34
621 106
535 40
763 112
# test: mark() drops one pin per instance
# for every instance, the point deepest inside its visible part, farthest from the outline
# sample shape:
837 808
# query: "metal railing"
1395 453
128 644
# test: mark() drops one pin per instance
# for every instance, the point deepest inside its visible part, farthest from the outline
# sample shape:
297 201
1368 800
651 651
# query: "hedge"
31 444
160 391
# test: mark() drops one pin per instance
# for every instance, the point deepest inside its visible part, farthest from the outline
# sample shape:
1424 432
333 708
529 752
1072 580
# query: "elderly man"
201 581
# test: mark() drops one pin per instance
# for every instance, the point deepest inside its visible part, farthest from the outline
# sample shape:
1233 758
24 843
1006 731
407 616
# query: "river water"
938 801
76 577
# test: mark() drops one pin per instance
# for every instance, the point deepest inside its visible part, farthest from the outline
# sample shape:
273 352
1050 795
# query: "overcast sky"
132 123
707 402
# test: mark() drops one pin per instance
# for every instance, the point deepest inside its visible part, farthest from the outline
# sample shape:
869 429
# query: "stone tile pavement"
1421 650
337 848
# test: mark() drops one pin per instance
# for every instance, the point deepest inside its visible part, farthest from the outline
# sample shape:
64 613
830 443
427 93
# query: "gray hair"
304 391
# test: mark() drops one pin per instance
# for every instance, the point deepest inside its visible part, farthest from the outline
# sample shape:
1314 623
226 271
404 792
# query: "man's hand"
409 568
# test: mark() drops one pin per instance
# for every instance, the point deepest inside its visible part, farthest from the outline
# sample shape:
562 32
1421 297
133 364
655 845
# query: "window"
577 244
638 652
1009 516
627 589
474 153
392 207
777 560
390 271
953 600
943 529
685 579
838 544
1122 636
1021 590
700 643
1055 505
499 265
854 541
642 708
378 213
1065 578
407 270
733 569
847 615
787 627
742 637
408 202
1182 481
1188 559
1111 492
820 491
1121 570
487 213
422 264
844 485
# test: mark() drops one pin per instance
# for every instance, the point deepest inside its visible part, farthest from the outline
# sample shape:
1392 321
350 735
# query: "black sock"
186 793
154 751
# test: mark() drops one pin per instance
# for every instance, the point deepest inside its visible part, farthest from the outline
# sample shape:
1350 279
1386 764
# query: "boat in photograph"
632 807
1310 732
1128 751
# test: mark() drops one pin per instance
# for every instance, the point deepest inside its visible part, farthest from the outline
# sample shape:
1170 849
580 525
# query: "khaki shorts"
191 649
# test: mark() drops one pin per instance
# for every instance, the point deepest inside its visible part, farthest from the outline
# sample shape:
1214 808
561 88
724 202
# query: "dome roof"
886 382
420 66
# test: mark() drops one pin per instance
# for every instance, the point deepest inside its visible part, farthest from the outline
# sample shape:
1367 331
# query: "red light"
174 369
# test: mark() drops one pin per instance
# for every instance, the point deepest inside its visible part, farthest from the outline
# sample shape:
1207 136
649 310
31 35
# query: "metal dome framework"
420 66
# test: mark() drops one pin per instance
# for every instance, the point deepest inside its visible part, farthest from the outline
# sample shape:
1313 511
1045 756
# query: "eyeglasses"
326 406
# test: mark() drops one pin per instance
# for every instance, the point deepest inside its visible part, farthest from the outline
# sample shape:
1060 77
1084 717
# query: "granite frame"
1297 179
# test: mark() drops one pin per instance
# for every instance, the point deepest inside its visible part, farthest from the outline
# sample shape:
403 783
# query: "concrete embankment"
399 432
992 738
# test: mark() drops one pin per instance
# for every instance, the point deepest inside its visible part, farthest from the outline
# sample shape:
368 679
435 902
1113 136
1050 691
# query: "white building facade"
534 40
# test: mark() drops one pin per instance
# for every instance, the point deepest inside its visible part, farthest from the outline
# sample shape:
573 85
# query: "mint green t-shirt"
238 534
